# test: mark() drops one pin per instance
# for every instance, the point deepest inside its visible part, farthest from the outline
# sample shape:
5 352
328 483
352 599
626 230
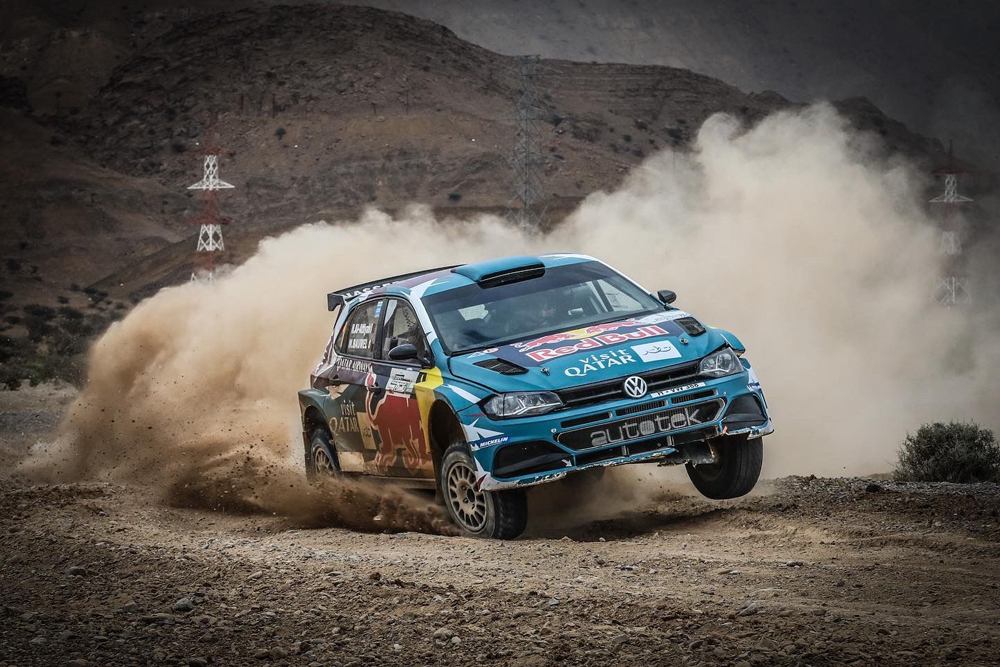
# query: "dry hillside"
326 109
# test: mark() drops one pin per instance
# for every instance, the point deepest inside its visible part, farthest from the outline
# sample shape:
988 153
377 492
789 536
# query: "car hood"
592 354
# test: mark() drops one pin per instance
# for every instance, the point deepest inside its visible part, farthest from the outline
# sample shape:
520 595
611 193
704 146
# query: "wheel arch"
314 420
444 429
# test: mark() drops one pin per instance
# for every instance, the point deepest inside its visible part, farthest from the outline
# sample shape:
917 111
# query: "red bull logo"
592 342
576 334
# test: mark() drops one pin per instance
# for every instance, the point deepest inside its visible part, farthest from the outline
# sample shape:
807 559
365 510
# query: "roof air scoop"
498 272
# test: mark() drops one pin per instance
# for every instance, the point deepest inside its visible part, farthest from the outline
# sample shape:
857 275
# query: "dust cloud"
797 234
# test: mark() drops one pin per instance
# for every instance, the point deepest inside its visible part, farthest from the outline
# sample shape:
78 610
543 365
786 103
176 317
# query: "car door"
393 407
352 380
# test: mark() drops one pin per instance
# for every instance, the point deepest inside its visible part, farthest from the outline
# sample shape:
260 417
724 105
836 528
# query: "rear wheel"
736 472
497 514
321 462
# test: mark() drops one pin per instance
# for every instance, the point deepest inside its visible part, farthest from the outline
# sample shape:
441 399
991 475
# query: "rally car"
482 379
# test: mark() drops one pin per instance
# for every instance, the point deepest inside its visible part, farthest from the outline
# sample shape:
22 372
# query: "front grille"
644 426
588 419
611 390
642 407
693 397
502 366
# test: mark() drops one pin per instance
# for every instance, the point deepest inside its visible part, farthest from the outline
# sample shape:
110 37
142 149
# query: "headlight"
521 404
720 364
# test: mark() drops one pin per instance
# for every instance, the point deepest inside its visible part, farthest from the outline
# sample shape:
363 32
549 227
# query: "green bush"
953 452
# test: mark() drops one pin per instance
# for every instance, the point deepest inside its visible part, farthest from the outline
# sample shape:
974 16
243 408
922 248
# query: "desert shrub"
70 313
39 311
37 320
954 452
12 361
585 132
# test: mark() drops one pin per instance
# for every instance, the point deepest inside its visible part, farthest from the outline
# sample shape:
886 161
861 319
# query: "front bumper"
661 426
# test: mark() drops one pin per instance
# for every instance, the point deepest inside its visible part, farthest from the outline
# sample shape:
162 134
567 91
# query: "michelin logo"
476 446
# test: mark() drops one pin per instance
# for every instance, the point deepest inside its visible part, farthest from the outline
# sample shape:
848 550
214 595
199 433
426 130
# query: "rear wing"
342 296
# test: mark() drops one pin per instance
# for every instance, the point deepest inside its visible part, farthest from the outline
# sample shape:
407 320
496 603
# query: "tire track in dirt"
692 582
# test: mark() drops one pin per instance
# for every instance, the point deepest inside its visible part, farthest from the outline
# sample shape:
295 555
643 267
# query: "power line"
527 206
951 289
210 241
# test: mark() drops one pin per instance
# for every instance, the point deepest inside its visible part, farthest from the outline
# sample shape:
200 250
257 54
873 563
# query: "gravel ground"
805 572
814 571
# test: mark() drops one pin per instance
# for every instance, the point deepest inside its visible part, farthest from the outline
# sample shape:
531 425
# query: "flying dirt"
194 392
173 532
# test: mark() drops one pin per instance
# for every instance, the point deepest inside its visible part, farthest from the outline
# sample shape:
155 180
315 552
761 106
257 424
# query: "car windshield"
565 297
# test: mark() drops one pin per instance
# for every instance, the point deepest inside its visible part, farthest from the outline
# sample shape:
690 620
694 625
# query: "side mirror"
404 352
667 296
409 352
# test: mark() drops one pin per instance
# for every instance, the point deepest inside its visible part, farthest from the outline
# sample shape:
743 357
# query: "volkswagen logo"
635 387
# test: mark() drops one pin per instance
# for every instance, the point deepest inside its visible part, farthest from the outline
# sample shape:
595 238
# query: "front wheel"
736 472
321 462
498 514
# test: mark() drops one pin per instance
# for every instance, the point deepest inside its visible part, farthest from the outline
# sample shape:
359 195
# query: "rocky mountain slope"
324 110
327 109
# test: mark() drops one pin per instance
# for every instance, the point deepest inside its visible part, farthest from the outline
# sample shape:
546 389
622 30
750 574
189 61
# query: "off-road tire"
737 471
504 513
319 451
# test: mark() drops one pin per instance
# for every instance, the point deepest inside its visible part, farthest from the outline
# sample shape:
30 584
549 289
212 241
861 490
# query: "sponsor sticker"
354 365
594 342
668 316
576 334
488 442
600 361
651 425
401 382
661 349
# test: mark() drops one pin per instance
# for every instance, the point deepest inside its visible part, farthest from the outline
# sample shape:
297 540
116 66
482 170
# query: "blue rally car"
483 379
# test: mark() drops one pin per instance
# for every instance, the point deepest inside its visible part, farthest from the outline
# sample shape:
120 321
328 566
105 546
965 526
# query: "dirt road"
808 571
816 571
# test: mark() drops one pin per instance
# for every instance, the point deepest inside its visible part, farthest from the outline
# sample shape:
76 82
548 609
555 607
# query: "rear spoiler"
342 296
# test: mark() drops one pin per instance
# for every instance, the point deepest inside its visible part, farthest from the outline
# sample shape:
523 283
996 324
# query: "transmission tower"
951 289
526 161
210 221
